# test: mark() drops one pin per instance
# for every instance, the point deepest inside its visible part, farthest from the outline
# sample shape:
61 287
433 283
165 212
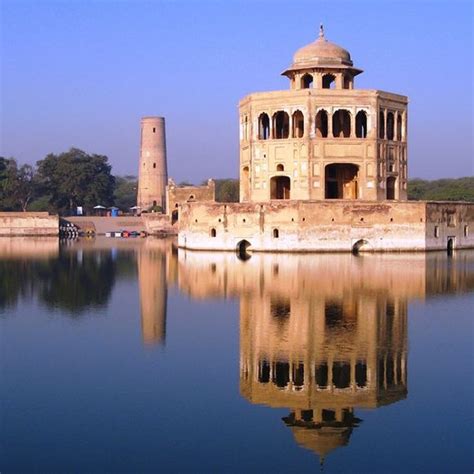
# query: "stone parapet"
28 224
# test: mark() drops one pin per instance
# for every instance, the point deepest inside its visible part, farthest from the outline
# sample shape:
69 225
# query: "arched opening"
390 126
213 232
191 198
245 184
263 127
276 233
154 165
307 81
281 374
450 246
322 124
263 371
321 375
341 124
243 250
341 374
399 128
360 246
391 187
280 187
174 216
280 167
341 181
381 125
298 376
154 203
298 124
329 81
361 124
281 125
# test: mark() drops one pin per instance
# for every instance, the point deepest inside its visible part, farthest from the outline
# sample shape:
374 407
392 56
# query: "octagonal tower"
323 139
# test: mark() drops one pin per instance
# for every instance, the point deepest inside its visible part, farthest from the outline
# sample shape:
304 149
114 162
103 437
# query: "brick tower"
153 168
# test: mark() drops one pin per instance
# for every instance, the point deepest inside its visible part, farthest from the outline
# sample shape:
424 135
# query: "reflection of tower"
153 294
323 357
153 169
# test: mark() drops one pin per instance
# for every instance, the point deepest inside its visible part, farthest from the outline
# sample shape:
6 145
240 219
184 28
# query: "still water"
134 356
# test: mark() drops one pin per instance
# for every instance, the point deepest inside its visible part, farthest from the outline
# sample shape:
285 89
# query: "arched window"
281 125
154 165
322 124
329 81
341 124
245 184
213 232
298 124
276 233
399 128
280 167
307 81
391 187
361 124
347 84
390 126
263 127
381 125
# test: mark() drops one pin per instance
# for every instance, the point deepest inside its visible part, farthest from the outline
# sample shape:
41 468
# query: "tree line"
59 183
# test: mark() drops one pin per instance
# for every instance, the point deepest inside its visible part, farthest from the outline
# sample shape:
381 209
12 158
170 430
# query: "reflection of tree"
73 282
76 282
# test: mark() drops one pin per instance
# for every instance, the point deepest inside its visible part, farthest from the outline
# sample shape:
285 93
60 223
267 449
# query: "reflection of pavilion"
322 357
322 335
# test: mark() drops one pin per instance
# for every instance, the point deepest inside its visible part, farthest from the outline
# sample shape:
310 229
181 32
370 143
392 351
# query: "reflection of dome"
322 440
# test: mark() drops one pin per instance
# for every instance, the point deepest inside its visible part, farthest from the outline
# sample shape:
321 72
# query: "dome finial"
321 30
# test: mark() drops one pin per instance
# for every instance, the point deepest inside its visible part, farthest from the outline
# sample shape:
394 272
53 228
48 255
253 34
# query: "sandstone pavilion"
323 167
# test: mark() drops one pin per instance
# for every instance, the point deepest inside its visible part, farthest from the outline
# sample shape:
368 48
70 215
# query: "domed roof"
321 53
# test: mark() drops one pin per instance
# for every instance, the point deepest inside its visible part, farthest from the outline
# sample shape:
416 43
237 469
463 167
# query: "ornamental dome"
321 53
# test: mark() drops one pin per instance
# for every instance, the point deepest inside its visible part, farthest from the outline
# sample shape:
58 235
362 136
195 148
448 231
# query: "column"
384 124
353 124
330 123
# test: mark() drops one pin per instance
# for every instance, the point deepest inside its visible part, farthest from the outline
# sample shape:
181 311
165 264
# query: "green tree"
460 189
227 190
17 185
125 195
75 178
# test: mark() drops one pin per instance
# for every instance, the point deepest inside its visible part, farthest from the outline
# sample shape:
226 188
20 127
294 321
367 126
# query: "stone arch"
276 233
390 187
263 126
341 124
280 187
361 124
281 124
390 126
307 81
298 124
243 250
381 125
329 81
213 232
280 167
322 124
174 216
361 245
450 246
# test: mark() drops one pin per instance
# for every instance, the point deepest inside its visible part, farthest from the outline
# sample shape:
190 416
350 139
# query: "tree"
75 178
227 190
125 195
17 185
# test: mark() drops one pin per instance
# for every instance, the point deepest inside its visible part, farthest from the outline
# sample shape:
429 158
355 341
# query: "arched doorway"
341 181
360 246
391 187
280 187
243 250
450 246
174 216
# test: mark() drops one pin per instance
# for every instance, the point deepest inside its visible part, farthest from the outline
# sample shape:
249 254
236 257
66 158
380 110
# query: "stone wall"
331 226
28 224
156 223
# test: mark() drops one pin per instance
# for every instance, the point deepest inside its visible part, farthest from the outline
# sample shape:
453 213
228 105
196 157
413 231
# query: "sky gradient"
83 73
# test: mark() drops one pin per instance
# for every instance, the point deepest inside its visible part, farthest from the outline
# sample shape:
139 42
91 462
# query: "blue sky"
82 73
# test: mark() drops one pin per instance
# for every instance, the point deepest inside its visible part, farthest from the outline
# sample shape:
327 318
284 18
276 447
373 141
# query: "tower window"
390 126
276 233
263 127
307 81
381 125
213 232
436 231
154 165
328 81
154 129
280 167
